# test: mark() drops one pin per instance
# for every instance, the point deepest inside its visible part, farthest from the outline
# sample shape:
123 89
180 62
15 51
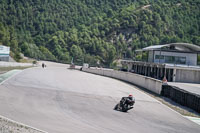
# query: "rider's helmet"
130 96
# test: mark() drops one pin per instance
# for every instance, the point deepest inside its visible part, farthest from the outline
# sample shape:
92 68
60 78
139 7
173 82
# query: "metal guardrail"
182 97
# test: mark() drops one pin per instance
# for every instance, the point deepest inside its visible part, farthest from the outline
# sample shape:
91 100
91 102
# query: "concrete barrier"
151 84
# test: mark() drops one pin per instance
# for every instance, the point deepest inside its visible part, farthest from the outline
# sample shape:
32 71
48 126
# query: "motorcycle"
123 106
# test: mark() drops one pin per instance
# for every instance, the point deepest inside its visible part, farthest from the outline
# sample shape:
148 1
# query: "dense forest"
95 31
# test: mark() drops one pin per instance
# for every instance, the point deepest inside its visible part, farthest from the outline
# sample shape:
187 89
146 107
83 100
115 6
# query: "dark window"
175 59
159 56
198 59
180 60
169 59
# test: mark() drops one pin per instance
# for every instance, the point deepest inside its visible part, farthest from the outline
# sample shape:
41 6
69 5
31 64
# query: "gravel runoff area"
10 126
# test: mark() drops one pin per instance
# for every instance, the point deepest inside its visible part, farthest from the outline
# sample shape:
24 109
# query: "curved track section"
59 100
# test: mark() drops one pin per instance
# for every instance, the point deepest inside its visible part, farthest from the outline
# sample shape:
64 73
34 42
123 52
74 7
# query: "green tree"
76 53
48 55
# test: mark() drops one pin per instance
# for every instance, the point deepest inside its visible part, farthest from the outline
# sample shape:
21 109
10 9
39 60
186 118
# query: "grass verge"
6 69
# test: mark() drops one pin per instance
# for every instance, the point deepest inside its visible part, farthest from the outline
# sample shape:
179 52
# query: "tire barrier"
182 97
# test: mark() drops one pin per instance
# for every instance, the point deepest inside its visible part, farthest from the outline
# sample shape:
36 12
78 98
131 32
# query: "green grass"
6 69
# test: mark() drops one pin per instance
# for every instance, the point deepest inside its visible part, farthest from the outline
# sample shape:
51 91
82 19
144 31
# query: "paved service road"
59 100
190 87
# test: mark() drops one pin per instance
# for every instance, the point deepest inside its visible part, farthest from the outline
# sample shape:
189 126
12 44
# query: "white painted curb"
15 74
194 119
11 76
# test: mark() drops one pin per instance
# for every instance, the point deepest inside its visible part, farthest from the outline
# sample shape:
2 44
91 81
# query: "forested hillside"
95 30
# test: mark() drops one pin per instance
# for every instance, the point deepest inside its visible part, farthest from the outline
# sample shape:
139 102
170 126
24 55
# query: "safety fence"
182 97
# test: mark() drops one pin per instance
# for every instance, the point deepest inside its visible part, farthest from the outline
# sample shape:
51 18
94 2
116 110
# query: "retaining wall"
151 84
182 97
188 76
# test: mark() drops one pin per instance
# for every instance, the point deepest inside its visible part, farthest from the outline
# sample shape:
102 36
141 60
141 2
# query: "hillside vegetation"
95 30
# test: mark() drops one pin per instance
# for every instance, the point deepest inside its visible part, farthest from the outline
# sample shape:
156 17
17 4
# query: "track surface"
59 100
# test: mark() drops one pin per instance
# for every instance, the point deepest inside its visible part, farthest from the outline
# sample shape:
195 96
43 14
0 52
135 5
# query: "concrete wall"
130 66
150 56
151 84
4 58
187 76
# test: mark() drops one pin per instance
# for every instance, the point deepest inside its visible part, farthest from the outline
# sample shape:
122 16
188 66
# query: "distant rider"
43 65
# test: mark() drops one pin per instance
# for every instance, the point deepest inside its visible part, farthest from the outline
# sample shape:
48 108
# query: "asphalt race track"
59 100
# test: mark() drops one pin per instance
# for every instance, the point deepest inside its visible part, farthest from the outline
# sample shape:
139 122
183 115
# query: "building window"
159 57
175 59
169 59
198 59
180 60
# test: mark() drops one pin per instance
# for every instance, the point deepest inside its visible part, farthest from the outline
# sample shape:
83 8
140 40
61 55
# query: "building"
178 62
174 53
4 53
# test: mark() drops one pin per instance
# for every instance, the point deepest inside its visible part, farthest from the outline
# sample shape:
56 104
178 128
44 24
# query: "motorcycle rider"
125 101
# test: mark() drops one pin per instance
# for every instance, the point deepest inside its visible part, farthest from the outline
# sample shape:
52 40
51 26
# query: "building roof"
184 47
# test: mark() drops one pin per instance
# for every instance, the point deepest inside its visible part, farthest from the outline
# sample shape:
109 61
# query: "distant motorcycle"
125 104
